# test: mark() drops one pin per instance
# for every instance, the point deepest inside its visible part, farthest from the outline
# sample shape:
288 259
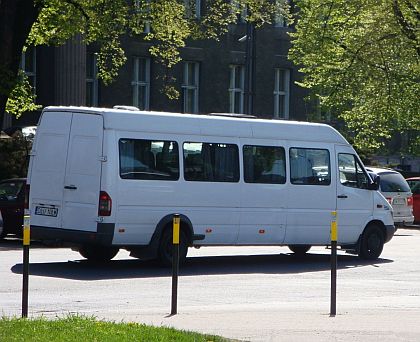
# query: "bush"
14 156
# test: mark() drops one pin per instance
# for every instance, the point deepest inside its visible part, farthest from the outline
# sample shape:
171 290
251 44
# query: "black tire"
371 243
166 248
98 254
299 249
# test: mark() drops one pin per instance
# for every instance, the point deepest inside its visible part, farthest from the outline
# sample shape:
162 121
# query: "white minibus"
105 179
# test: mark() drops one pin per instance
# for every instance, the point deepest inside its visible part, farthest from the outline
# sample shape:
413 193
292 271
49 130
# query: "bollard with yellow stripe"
26 230
334 232
175 238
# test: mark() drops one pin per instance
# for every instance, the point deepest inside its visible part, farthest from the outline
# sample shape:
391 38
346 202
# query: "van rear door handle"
70 187
342 196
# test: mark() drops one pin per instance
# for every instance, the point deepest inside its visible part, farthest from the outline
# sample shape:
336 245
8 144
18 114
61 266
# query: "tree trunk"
16 20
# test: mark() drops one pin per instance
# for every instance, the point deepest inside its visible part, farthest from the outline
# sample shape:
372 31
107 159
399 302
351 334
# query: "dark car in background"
12 205
414 183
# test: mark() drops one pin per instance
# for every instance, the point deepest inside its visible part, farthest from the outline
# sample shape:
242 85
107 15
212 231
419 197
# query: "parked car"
414 183
397 192
12 204
1 224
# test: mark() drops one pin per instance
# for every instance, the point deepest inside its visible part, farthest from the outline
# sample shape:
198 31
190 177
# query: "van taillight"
26 203
410 201
389 199
105 204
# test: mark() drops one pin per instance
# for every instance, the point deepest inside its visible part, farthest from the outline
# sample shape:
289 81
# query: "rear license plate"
398 201
44 211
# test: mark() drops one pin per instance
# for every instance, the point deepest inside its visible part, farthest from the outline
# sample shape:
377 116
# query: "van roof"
214 125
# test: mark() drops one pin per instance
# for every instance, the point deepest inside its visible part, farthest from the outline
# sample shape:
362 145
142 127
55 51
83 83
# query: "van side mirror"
374 185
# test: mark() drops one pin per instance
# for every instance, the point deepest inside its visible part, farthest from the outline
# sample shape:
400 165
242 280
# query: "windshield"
10 190
393 182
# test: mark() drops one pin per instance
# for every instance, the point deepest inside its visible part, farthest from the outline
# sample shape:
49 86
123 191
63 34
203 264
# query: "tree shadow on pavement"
284 263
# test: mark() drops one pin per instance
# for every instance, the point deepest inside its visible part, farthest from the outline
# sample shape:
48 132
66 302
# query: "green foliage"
77 328
171 23
21 99
14 156
361 59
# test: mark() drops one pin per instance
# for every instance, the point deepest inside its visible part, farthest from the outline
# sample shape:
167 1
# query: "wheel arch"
167 221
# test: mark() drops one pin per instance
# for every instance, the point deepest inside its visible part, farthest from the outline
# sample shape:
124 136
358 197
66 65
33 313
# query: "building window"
281 93
310 166
28 66
211 162
240 9
264 164
142 10
190 87
236 89
91 80
141 83
281 7
192 8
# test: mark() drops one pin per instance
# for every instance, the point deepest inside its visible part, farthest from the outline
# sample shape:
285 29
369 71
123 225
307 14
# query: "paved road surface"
245 293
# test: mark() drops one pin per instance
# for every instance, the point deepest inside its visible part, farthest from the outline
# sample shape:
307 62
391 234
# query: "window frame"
137 84
233 90
237 175
281 93
195 87
92 82
245 169
329 180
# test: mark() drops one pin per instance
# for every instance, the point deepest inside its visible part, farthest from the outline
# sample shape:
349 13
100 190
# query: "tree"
361 60
105 22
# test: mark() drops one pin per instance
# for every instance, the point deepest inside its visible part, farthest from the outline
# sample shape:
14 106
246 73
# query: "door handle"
70 187
342 196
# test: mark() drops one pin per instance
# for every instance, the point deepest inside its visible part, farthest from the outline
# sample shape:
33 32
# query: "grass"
89 329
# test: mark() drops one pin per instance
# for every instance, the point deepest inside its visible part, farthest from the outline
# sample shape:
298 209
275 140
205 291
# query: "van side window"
211 162
351 171
309 166
264 164
147 159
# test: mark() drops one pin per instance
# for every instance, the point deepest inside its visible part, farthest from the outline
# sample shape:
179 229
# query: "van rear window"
148 159
393 182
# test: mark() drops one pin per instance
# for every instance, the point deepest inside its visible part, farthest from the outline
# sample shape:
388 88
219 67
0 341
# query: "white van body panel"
76 156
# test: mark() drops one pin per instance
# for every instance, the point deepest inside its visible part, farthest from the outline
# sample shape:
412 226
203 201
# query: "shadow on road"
214 265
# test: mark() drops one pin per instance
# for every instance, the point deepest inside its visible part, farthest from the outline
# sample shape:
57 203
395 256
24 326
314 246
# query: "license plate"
44 211
398 201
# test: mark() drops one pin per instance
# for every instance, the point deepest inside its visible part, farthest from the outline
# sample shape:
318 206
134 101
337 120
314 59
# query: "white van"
105 179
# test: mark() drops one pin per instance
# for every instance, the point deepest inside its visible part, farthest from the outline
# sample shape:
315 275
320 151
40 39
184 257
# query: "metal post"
26 243
175 263
334 234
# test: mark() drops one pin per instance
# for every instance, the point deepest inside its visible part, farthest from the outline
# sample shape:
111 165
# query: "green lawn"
85 329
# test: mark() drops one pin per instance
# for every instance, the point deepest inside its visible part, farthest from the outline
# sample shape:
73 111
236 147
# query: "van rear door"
83 173
66 170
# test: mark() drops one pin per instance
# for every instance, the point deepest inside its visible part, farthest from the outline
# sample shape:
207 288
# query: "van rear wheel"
299 249
166 248
98 253
371 243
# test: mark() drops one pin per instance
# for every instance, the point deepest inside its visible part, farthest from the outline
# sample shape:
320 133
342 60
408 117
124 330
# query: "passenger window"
211 162
351 171
309 166
147 159
264 164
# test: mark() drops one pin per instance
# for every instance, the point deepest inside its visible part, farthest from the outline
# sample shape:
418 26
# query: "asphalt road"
245 293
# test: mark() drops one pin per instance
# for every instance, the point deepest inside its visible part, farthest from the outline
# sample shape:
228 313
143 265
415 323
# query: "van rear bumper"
103 236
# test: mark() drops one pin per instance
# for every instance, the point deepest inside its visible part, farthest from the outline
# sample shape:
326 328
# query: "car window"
9 191
393 182
415 186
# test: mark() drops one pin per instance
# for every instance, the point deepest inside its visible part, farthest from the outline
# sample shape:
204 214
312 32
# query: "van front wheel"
299 249
98 253
371 243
